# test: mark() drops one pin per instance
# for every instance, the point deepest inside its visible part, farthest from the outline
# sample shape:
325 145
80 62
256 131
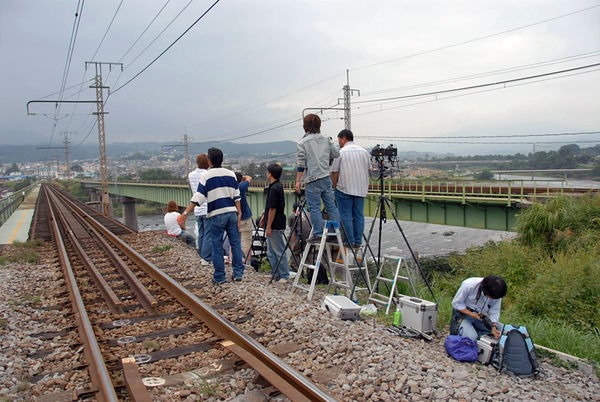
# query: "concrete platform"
16 228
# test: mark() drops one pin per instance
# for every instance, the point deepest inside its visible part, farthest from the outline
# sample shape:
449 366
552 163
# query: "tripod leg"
410 249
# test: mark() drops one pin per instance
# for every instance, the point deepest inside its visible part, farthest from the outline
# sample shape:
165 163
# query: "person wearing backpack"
476 307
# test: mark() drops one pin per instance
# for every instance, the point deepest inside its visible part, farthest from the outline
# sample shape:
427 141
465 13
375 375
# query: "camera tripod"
380 212
296 229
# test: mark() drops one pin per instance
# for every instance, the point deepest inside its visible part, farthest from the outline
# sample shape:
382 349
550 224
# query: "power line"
436 99
506 142
70 49
481 136
476 39
488 73
146 29
503 82
168 47
107 29
161 32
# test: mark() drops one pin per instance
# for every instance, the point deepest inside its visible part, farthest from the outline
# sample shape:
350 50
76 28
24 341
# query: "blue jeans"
204 245
219 224
275 252
472 328
315 192
352 214
187 237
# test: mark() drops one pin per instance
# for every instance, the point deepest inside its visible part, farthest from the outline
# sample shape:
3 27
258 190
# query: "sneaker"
282 280
219 283
238 279
204 263
314 239
226 260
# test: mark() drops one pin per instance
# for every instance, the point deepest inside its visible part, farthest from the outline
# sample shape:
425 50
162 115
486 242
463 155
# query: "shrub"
560 222
565 289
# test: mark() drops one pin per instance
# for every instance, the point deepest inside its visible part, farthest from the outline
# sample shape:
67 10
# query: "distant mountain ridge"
31 153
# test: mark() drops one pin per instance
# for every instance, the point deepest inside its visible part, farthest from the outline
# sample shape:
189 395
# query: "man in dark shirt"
273 221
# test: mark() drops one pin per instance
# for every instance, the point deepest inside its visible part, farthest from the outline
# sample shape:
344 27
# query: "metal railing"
10 204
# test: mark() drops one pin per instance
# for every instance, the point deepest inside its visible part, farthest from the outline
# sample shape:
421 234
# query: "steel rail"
98 372
143 294
283 377
114 303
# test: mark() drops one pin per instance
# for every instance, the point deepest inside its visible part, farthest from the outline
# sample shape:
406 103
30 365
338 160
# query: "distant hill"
31 153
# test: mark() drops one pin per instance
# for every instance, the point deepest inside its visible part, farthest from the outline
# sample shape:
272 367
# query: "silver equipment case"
341 307
485 349
418 314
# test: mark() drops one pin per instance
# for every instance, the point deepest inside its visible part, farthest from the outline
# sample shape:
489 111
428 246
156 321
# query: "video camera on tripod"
384 161
379 153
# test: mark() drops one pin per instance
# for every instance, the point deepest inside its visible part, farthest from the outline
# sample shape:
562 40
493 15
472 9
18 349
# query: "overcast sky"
249 66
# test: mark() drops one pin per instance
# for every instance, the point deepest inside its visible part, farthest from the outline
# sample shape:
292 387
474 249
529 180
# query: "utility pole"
67 152
65 147
101 134
347 93
186 146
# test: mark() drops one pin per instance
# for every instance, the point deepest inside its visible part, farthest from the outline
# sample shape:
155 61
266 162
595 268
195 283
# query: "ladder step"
384 302
309 266
386 280
303 287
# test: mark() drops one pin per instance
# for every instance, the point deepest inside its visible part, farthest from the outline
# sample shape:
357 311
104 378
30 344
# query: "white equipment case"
341 307
418 314
485 349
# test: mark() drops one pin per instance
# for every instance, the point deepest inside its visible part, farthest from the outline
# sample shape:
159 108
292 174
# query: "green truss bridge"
469 203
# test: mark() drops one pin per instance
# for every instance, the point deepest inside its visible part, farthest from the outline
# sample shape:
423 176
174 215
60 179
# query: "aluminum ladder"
400 273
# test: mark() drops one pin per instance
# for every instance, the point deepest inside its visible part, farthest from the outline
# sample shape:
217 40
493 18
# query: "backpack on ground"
461 348
516 353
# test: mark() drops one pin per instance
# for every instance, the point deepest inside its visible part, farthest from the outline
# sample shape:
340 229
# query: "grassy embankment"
552 270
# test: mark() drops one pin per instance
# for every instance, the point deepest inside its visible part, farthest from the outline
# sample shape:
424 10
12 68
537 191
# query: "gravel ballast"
352 360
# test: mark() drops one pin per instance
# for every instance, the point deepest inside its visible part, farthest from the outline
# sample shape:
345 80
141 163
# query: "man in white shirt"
204 244
350 178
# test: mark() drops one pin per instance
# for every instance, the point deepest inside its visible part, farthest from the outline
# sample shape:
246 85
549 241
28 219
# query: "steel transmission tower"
66 148
186 146
347 93
101 134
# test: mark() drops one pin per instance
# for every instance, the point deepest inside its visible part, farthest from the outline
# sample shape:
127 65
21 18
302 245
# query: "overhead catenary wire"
107 29
145 30
403 137
470 87
168 47
465 42
565 59
67 67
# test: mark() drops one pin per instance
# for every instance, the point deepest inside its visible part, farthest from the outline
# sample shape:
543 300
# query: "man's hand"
268 232
297 187
181 219
495 332
261 223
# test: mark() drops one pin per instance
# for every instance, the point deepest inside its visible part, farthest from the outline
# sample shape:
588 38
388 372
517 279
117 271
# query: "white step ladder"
345 268
400 273
304 267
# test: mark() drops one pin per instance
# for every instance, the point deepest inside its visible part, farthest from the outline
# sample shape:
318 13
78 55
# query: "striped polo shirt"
353 167
219 188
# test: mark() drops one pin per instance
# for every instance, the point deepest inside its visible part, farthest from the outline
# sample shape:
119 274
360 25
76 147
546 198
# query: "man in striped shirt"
219 188
350 178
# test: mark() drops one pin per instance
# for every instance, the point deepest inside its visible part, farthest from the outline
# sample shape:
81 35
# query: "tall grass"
552 272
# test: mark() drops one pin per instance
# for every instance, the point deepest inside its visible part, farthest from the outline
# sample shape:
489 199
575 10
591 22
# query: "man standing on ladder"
350 178
315 154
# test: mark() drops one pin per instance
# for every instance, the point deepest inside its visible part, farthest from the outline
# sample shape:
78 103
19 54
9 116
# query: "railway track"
133 319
